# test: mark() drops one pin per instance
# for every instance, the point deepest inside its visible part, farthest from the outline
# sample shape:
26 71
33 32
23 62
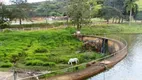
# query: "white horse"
71 60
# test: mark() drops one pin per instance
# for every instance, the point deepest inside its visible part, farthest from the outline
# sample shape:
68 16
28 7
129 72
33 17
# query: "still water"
131 67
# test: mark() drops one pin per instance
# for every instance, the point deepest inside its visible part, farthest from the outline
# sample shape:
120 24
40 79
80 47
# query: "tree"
78 11
93 8
113 9
5 16
20 10
131 7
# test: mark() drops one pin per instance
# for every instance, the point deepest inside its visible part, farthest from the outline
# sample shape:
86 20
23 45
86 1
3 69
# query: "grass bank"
113 29
41 50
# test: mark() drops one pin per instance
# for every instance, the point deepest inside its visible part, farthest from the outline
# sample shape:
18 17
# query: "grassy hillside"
41 49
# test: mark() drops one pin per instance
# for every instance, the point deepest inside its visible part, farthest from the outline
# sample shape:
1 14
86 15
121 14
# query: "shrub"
56 24
31 25
4 25
49 64
7 30
71 30
34 63
63 60
41 50
6 65
21 54
28 58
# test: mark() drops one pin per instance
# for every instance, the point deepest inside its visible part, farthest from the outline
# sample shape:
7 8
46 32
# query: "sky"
30 1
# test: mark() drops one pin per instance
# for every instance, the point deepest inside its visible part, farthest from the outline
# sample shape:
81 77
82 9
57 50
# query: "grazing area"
40 50
112 29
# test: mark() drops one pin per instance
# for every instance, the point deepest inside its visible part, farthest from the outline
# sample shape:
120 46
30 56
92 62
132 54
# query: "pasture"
41 50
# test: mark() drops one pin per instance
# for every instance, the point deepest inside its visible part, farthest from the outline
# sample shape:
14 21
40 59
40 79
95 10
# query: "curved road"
128 69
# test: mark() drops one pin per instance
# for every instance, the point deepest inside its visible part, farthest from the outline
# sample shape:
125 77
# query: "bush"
7 30
41 50
6 65
62 60
31 25
4 25
34 63
49 64
28 58
71 29
56 24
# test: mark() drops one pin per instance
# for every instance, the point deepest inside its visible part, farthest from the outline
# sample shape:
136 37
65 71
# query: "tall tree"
20 10
78 11
113 9
131 7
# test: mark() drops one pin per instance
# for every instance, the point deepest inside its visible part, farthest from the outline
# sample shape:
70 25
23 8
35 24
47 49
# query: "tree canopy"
79 12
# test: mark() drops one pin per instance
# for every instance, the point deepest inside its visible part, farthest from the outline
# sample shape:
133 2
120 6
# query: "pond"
130 68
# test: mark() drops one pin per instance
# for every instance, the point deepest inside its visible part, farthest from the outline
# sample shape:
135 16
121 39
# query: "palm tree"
130 7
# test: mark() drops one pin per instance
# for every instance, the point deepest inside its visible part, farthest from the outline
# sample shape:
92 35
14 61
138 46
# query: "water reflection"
130 68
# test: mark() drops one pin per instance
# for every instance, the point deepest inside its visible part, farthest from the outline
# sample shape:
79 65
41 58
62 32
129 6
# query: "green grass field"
112 29
41 50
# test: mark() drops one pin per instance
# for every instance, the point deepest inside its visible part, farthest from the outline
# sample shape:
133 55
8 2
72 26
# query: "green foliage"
51 64
26 47
56 24
7 30
14 58
113 9
112 29
20 11
131 8
5 16
50 8
51 49
4 25
40 50
34 63
6 64
39 63
78 10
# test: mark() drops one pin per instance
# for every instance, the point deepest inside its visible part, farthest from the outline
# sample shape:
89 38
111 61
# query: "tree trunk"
78 26
20 21
107 21
130 17
113 20
67 21
119 20
122 20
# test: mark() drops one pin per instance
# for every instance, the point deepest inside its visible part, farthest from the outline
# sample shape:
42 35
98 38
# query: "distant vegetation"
81 12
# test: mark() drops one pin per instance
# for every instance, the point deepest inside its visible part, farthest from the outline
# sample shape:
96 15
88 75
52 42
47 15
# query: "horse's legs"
76 62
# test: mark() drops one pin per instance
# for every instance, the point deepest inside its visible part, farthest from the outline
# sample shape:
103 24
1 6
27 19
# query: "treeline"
79 11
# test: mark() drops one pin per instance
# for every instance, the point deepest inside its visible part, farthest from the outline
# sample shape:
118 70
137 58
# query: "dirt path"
6 75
